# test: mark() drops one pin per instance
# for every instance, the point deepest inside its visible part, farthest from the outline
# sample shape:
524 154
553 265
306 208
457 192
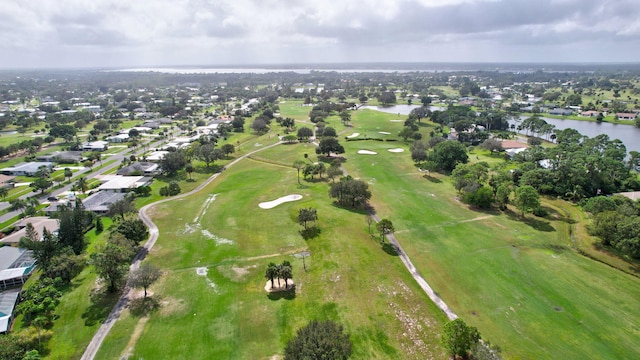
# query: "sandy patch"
203 271
171 306
384 133
276 202
268 288
396 120
137 331
397 150
219 241
367 152
353 135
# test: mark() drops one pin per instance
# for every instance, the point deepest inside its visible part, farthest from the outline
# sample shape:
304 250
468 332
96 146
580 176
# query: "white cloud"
127 32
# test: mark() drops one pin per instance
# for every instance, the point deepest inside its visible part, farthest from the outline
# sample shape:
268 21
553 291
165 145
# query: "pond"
628 134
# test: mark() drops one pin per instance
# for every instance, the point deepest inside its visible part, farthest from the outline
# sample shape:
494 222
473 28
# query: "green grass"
350 278
518 281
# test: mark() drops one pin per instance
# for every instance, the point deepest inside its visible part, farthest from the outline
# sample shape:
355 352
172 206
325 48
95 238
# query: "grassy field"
228 314
518 281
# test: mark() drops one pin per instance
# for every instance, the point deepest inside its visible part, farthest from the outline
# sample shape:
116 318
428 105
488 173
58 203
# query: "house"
156 155
589 113
100 201
151 125
16 265
118 183
140 168
63 157
625 116
120 138
561 112
99 145
8 301
25 169
39 224
7 181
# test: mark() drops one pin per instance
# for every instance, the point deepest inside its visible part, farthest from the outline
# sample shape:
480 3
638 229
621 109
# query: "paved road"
103 331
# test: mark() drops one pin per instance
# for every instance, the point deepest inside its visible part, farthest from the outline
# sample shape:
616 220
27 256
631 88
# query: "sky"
143 33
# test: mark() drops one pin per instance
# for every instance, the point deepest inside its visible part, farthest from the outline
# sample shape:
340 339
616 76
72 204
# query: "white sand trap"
288 285
384 133
396 120
353 135
276 202
367 152
397 150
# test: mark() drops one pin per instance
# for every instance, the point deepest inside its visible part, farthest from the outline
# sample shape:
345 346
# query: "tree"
73 221
259 125
4 191
418 152
304 133
285 272
329 145
345 117
111 261
228 149
298 164
43 249
209 154
387 98
82 184
492 145
144 277
350 192
447 154
121 208
329 132
306 215
334 171
527 199
502 196
173 162
319 340
17 204
458 338
41 184
271 272
385 226
133 229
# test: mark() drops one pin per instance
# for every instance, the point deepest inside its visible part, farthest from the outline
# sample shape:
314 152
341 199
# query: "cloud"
257 31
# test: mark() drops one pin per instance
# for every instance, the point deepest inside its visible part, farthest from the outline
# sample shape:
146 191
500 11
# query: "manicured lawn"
227 314
518 282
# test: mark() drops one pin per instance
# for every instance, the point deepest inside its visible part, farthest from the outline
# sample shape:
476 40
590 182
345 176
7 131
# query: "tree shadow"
310 232
432 179
390 249
360 210
289 294
537 224
144 306
102 302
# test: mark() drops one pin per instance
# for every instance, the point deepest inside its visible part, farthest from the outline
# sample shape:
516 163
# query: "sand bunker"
396 120
384 133
397 150
276 202
367 152
288 285
353 135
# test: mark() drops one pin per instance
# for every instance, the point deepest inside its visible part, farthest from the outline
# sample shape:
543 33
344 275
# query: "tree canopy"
458 338
319 340
350 192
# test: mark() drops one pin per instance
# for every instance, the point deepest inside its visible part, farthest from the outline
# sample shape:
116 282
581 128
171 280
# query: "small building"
120 138
625 116
140 168
63 157
118 183
156 155
39 224
8 301
589 113
16 265
561 112
151 125
100 201
7 181
99 145
26 168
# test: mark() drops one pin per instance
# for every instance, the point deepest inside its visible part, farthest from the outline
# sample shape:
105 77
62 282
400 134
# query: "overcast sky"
136 33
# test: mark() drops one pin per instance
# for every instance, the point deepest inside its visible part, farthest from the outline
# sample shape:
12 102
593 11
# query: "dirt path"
127 294
128 350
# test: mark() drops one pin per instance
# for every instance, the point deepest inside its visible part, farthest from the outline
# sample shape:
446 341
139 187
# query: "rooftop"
100 201
39 224
118 182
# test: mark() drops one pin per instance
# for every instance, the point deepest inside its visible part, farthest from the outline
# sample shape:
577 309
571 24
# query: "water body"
628 134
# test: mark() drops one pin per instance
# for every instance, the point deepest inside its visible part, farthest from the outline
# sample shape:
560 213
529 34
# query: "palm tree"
298 164
285 272
82 184
271 273
68 174
4 192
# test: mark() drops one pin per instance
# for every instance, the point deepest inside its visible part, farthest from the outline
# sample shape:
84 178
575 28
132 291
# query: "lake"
628 134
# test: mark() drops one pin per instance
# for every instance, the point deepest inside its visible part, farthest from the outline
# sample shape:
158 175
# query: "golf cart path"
97 340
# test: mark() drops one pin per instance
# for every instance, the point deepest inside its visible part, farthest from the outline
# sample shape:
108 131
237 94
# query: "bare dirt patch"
172 306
